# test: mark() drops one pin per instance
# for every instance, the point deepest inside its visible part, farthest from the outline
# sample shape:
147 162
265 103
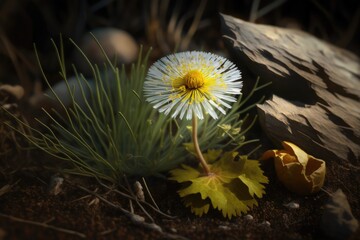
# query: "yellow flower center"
194 86
194 79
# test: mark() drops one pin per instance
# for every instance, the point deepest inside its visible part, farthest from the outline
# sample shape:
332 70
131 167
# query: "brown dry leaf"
299 172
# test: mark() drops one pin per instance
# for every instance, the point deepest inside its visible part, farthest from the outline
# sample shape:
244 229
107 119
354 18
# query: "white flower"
192 82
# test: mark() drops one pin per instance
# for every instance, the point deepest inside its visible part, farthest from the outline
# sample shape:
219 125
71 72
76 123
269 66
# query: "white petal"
158 89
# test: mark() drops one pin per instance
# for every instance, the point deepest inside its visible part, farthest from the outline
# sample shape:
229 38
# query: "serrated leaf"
252 176
212 155
228 166
197 205
221 197
230 187
184 174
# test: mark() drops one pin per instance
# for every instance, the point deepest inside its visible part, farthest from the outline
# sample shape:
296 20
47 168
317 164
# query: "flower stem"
197 148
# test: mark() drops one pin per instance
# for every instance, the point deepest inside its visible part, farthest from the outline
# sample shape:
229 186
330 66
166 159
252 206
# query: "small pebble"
55 185
137 218
248 217
265 224
224 227
94 202
155 227
139 191
292 205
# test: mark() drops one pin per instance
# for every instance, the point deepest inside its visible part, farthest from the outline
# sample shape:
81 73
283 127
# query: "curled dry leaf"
299 172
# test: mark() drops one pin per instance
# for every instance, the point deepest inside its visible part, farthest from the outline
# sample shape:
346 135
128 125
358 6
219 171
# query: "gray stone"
338 221
249 217
118 45
292 205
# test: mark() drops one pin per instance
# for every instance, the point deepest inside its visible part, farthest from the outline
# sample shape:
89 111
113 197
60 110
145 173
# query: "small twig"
81 198
268 8
49 220
112 189
137 200
326 191
156 209
6 188
148 204
131 206
136 219
149 193
44 225
255 13
107 231
123 210
254 10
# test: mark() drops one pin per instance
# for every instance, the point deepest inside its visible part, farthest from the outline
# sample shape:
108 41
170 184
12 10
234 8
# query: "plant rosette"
231 187
299 172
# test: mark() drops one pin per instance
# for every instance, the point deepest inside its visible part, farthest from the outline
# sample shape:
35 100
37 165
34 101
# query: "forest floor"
28 211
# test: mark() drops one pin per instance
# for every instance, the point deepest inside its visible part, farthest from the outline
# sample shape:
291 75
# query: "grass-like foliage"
115 132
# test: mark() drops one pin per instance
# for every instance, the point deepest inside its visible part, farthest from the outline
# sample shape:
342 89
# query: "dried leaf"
299 172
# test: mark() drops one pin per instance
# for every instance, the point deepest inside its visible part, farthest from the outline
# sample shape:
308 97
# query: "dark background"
25 22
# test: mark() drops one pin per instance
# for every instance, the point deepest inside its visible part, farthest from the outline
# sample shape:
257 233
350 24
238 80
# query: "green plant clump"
115 132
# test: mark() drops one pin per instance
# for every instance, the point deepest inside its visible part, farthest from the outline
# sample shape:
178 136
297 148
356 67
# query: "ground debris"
338 221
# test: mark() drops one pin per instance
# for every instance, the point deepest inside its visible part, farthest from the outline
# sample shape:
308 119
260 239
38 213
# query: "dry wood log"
316 87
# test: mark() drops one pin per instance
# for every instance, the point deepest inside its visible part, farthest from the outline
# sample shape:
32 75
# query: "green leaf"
198 206
253 177
184 174
212 155
230 188
227 164
220 196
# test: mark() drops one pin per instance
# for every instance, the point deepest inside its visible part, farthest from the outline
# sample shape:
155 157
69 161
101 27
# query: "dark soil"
29 203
